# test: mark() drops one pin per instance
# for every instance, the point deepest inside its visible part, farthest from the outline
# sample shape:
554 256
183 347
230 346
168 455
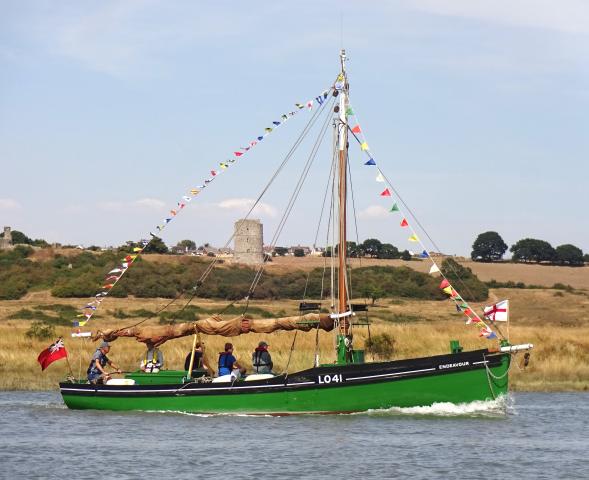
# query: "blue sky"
111 111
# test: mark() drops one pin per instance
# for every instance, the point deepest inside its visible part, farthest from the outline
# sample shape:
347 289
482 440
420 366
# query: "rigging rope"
287 158
292 200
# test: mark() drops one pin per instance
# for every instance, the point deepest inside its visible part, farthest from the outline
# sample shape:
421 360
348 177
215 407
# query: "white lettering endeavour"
325 379
453 365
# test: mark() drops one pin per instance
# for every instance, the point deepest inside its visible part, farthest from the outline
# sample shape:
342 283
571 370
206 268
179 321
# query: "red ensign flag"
52 353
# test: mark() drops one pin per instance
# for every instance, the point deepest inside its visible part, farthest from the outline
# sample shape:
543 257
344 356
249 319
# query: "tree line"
81 276
490 247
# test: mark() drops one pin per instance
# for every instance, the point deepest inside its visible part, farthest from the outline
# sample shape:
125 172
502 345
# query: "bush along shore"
80 276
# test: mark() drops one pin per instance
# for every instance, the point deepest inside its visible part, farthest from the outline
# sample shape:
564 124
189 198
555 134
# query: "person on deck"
96 372
153 360
228 363
199 361
261 359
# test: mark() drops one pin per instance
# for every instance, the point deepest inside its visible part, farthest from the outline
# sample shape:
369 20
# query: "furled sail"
159 334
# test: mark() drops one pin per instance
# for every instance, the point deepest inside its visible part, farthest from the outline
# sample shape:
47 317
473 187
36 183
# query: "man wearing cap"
261 359
96 372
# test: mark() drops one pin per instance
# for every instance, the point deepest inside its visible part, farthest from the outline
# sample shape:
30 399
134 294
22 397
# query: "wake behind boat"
346 384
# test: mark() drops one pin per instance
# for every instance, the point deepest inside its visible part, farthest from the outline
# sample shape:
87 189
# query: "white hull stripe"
183 390
478 363
392 374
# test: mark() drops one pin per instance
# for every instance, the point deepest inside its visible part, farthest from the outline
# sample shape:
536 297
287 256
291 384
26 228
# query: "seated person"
96 373
153 361
228 363
261 359
198 363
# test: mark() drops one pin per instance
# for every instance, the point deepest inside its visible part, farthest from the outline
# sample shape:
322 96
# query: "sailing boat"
348 384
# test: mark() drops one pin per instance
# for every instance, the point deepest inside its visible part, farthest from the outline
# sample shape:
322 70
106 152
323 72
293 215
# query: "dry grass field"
557 322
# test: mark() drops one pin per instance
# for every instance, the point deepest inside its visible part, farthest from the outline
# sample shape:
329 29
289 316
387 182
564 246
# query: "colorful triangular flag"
404 223
385 193
370 162
364 146
356 129
394 208
413 238
379 177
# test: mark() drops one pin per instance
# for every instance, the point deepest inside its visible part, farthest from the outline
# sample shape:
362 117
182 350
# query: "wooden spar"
342 189
189 375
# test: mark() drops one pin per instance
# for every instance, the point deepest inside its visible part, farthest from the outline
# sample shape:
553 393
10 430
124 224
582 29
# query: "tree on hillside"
586 258
298 252
186 245
406 255
533 250
354 250
156 245
463 280
488 247
372 247
389 251
569 255
19 238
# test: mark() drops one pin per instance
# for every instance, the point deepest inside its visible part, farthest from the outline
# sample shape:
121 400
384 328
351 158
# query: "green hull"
424 389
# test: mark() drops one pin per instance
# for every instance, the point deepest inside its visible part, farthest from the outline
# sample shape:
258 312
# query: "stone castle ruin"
6 240
248 242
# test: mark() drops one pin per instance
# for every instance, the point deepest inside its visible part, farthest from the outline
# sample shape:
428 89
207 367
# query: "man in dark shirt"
96 372
199 361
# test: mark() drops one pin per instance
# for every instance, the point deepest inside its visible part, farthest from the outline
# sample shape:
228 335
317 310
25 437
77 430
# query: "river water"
527 436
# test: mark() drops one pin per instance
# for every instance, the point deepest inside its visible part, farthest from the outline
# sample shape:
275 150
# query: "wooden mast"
342 190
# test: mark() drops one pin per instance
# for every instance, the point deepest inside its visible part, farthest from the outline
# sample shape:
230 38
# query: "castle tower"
6 240
248 242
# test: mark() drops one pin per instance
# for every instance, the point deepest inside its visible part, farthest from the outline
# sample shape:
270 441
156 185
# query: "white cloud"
243 205
569 16
142 203
150 203
9 204
374 211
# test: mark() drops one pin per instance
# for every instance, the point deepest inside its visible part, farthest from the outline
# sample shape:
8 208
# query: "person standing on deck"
199 361
261 359
153 360
96 372
228 363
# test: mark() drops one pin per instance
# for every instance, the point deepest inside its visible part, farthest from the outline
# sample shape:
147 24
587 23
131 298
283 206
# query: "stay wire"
287 158
423 229
293 198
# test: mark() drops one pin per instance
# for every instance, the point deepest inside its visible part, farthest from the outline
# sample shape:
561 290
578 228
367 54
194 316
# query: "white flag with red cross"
498 312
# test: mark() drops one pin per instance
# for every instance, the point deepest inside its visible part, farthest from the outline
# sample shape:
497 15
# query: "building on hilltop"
6 240
248 242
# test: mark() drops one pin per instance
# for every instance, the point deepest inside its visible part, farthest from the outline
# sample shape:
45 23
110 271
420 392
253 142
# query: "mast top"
343 58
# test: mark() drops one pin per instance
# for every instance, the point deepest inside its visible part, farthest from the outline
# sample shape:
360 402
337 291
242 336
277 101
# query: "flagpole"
67 358
189 375
507 308
69 366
